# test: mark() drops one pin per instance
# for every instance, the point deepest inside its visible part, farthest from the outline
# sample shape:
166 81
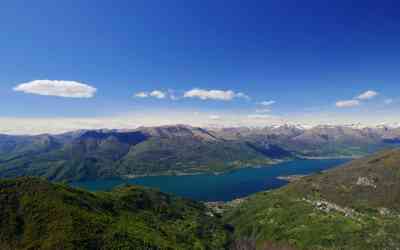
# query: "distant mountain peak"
178 130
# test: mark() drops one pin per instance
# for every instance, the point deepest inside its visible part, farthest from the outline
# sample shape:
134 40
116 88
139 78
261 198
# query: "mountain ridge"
106 153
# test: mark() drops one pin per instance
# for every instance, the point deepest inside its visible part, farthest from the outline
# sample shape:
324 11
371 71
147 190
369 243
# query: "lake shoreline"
219 186
271 164
215 173
292 178
353 157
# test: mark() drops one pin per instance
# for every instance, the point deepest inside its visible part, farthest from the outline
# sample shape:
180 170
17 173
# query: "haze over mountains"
180 149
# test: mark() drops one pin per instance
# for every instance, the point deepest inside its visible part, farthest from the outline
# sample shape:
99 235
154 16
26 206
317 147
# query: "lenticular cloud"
60 88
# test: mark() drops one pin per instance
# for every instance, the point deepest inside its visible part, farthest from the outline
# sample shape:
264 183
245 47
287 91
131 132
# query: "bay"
222 187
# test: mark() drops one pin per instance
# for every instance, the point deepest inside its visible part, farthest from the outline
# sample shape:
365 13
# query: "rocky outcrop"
366 182
328 207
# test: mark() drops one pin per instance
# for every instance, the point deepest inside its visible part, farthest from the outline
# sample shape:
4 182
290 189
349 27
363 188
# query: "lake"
223 187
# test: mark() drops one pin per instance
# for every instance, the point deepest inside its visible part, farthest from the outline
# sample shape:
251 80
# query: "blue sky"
305 55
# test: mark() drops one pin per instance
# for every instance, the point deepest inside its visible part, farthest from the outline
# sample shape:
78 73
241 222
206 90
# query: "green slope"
356 206
36 214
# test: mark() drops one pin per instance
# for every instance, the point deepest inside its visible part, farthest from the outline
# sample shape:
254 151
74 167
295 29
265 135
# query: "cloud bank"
60 88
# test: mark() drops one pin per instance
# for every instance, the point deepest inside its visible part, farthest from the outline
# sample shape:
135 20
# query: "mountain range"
180 149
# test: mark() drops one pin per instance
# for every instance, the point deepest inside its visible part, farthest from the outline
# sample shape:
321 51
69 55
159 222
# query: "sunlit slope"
356 206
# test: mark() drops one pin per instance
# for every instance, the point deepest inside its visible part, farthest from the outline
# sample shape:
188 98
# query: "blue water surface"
223 187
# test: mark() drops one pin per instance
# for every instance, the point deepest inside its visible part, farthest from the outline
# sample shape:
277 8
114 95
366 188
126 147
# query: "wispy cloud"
59 88
356 101
347 103
267 103
214 94
369 94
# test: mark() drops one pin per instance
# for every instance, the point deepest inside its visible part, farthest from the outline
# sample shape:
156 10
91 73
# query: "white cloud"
260 111
57 88
347 103
356 101
214 117
267 103
213 94
367 95
158 94
142 95
155 93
